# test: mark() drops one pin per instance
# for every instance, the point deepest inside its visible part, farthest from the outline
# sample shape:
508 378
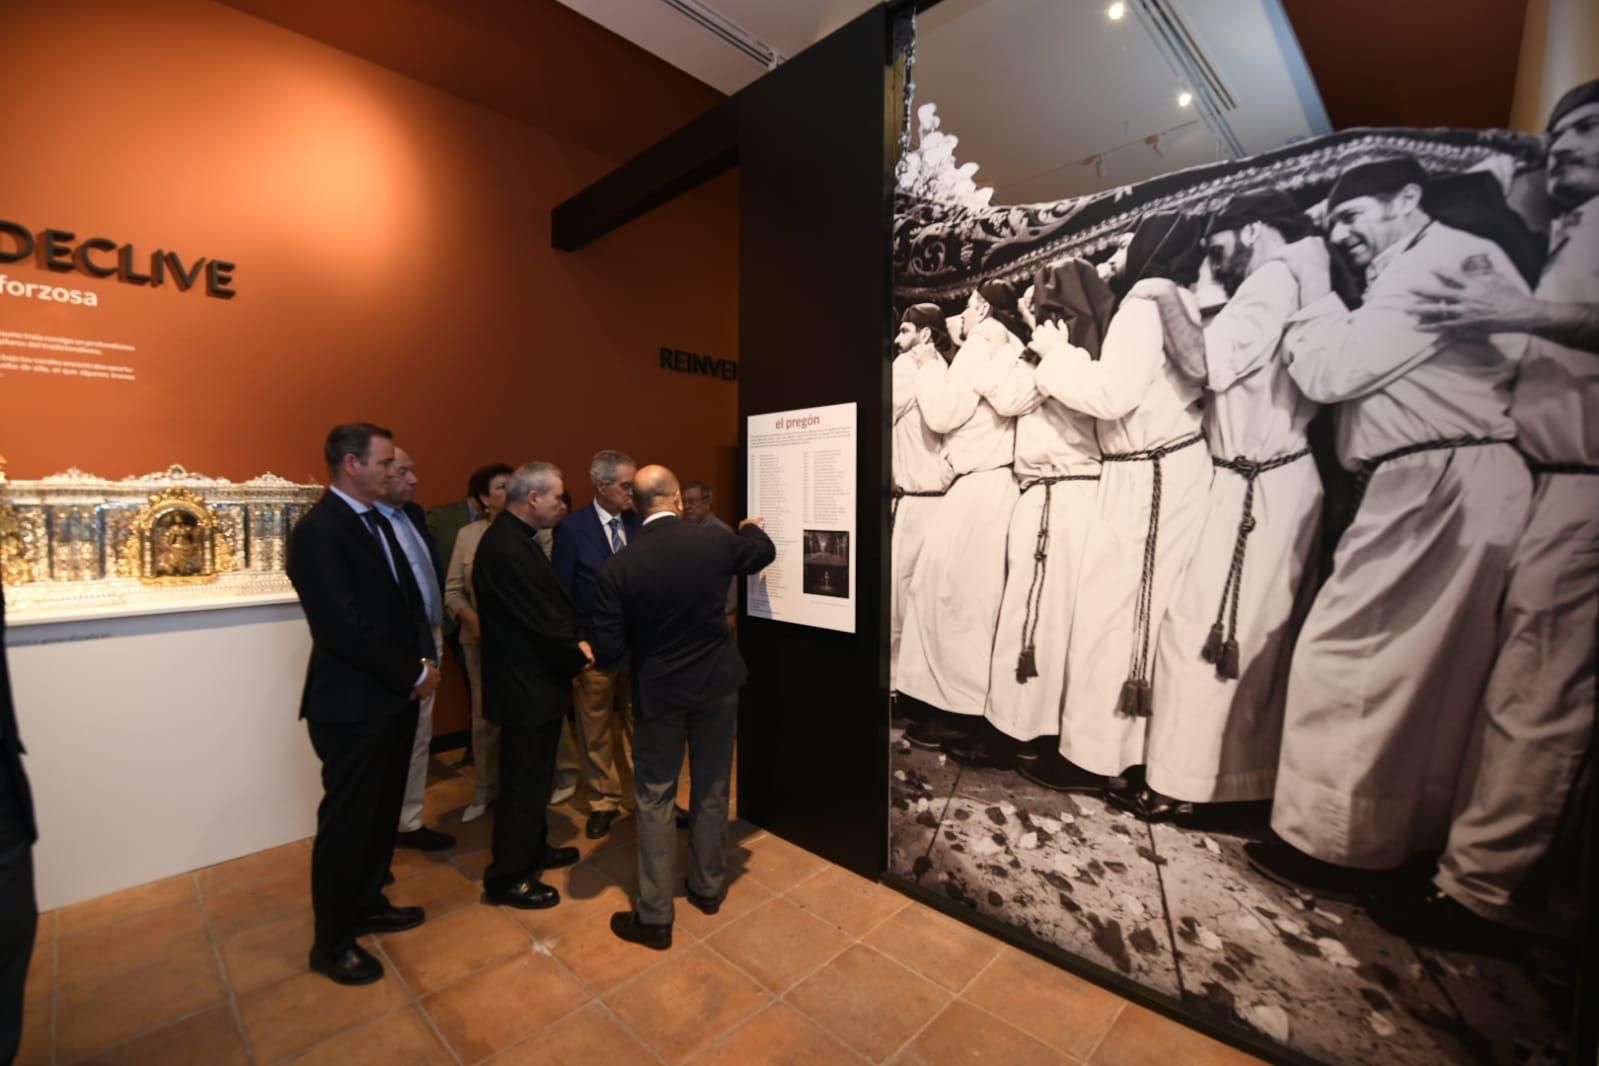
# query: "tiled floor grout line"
958 995
1121 1008
232 998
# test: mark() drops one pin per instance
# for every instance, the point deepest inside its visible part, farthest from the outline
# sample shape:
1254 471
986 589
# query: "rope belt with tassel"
1369 467
898 494
1221 646
1137 698
1027 661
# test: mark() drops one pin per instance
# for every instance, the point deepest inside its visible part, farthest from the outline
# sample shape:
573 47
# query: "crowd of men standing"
610 622
1108 569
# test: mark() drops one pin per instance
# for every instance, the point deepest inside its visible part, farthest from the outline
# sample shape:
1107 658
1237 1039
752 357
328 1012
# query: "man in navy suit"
373 660
661 603
583 542
410 524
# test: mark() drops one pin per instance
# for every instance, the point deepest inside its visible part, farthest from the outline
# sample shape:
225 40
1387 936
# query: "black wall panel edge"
817 137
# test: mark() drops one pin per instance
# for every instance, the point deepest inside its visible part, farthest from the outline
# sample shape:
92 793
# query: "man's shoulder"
712 520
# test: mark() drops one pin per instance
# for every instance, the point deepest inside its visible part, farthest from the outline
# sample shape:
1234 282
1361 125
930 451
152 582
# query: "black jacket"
530 631
13 778
367 641
663 603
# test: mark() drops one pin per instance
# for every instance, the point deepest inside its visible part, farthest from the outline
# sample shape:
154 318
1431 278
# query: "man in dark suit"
600 698
662 603
373 661
532 649
19 912
422 555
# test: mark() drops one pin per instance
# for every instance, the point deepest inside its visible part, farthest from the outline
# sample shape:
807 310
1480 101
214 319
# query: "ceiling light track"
730 32
1192 68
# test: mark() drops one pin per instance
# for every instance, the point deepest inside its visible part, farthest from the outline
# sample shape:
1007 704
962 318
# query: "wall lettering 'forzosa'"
100 257
689 363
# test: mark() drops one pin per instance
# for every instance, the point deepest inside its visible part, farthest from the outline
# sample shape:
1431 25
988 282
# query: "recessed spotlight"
1116 12
1185 99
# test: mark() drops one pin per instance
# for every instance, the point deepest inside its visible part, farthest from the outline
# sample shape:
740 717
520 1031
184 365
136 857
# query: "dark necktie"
401 567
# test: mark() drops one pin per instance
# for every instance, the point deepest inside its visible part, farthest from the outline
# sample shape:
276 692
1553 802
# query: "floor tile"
306 1009
267 953
211 1037
258 904
447 949
41 980
847 900
687 1002
868 1001
45 931
471 864
778 1036
1141 1037
1317 975
289 860
164 893
591 1037
744 894
934 945
1044 1001
408 862
778 943
779 865
399 1039
963 1034
116 947
495 1008
122 1007
586 893
1066 869
602 960
437 889
35 1047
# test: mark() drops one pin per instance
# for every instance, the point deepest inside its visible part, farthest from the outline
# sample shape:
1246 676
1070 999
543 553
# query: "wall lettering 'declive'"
690 363
99 257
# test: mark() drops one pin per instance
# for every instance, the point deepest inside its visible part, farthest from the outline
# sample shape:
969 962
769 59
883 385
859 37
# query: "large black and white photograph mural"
1245 543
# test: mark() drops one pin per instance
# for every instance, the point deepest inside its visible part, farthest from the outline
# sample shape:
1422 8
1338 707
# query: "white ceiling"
1033 87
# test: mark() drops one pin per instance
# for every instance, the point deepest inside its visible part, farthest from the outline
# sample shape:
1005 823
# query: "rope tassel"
1211 652
1026 666
1227 665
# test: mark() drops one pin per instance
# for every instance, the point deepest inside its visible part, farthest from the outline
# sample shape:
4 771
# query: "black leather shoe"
352 966
703 904
555 858
682 818
599 824
391 920
424 839
932 735
1149 805
626 925
524 895
1060 775
1292 868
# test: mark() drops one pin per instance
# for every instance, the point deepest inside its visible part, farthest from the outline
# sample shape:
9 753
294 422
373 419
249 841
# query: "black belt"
1369 467
1027 661
898 494
1587 469
1137 698
1221 646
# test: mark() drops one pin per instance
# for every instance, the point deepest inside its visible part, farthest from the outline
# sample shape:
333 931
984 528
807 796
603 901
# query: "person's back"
661 604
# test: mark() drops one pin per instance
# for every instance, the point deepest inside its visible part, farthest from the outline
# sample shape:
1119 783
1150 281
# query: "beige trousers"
603 702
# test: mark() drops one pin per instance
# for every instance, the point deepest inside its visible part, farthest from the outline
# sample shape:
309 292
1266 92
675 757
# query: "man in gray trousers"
660 603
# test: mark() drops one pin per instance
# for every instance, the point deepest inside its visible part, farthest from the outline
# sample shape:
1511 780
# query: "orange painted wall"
393 256
394 264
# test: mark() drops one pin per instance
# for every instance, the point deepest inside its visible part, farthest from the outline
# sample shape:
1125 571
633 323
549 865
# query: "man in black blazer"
410 526
663 604
532 649
19 911
372 661
600 698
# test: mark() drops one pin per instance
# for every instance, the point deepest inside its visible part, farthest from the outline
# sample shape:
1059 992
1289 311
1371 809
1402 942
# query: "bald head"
655 489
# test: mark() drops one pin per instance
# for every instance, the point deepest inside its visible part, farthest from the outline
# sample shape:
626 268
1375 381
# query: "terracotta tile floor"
807 963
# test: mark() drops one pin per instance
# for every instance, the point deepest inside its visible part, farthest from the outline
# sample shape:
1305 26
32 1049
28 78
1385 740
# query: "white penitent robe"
1389 669
919 467
1215 738
1142 401
1057 473
952 601
1522 794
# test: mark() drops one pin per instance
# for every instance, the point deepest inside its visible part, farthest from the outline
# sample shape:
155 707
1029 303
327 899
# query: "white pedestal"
162 743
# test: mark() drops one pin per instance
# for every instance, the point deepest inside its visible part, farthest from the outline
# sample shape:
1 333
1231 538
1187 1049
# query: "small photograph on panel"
827 562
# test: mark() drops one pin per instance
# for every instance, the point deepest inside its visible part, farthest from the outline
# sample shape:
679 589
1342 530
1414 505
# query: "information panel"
802 481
